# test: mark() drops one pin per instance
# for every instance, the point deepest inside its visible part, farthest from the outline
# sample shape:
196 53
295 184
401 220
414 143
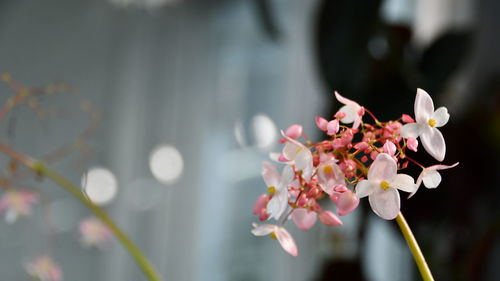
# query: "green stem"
43 170
414 248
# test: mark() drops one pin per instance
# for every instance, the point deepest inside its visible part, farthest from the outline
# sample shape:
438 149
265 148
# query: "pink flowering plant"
361 157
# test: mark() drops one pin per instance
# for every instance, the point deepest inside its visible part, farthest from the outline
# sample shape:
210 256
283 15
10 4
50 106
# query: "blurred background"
191 95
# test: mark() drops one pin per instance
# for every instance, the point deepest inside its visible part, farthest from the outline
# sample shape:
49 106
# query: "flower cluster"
359 160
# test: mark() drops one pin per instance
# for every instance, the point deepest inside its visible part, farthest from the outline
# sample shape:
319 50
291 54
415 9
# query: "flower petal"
411 130
385 203
263 229
274 208
432 179
404 182
303 218
365 188
286 241
270 174
321 123
441 116
287 176
344 100
347 203
383 168
351 113
433 142
329 218
294 131
424 107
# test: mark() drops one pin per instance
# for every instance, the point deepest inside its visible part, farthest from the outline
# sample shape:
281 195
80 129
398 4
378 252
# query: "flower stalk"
41 169
425 272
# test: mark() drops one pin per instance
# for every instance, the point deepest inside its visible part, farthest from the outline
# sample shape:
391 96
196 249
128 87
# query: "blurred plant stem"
41 169
414 248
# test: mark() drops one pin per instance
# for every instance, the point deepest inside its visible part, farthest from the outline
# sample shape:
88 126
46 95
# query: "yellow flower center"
328 169
273 235
271 189
432 122
384 185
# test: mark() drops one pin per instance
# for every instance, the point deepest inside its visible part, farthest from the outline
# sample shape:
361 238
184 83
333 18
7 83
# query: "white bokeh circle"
100 185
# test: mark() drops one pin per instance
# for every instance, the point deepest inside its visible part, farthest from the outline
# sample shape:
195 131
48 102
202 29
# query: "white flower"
381 186
279 233
300 155
277 186
427 122
353 111
431 177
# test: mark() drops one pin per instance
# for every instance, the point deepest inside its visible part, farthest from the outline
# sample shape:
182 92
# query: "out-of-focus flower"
16 203
426 126
94 232
44 269
279 233
381 187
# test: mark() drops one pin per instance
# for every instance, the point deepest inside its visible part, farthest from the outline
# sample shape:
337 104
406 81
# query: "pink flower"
352 110
303 218
44 269
381 186
279 233
431 177
17 202
94 233
329 176
332 127
426 126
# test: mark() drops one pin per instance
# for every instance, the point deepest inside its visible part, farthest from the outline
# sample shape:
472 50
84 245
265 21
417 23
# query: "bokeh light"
166 164
100 185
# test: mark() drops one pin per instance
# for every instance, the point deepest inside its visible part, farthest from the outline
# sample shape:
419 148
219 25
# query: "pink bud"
302 200
340 188
333 127
282 158
361 111
335 197
260 203
294 131
364 159
321 123
346 203
389 147
303 218
339 115
407 118
361 145
412 144
329 218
